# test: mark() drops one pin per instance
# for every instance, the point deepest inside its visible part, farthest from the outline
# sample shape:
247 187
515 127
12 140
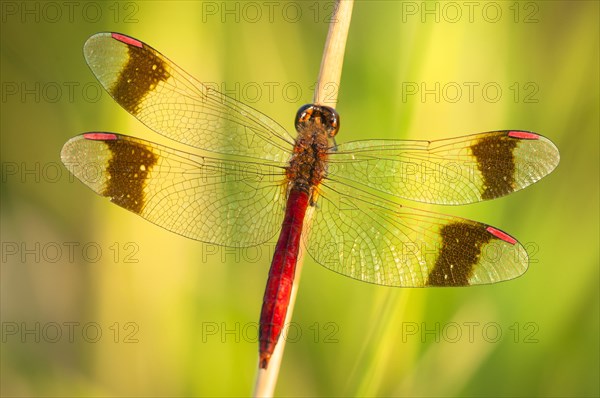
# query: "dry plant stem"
333 55
329 77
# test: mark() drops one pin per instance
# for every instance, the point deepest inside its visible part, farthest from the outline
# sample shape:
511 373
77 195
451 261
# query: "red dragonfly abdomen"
281 275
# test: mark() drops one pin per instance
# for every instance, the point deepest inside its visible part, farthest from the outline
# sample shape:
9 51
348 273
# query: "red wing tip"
101 136
501 235
127 40
524 135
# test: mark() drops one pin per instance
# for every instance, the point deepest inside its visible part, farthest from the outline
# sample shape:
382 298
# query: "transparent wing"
171 102
373 240
213 200
452 171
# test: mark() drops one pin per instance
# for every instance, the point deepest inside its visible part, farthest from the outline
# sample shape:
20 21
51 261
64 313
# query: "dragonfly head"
320 116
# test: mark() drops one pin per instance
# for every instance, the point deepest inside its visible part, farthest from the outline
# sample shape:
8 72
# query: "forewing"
213 200
171 102
372 240
452 171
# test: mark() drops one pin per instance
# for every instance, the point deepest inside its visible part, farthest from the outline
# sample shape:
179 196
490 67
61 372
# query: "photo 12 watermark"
51 252
469 332
252 12
292 332
452 12
53 12
69 332
453 92
270 91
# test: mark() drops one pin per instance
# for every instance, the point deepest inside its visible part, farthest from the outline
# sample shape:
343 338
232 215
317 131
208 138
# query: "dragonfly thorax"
316 126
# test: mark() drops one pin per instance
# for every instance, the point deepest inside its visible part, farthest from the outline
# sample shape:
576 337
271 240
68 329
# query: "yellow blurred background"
98 302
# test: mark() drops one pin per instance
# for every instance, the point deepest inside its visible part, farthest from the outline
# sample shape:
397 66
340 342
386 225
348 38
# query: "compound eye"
331 120
334 123
303 114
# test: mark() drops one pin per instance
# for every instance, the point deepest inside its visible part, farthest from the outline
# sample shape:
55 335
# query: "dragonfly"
243 178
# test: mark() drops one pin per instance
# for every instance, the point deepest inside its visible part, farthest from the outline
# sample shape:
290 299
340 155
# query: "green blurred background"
177 317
